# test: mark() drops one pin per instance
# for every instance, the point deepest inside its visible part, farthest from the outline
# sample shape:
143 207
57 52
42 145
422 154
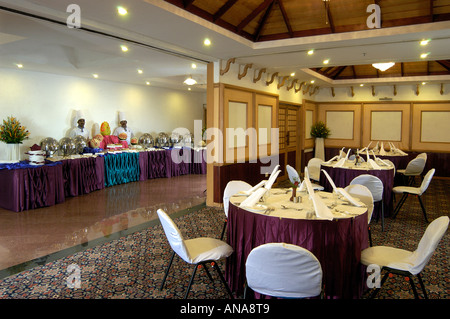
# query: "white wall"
46 104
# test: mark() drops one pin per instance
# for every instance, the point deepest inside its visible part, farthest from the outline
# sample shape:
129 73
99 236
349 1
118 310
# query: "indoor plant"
320 131
13 134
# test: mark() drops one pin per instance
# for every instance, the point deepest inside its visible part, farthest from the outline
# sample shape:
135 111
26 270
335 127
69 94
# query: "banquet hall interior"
374 74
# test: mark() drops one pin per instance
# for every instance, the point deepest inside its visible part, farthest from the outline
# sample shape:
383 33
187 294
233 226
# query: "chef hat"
78 116
122 117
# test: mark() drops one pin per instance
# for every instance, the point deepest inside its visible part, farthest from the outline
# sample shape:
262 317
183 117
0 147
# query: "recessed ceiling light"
311 52
148 83
193 65
122 11
425 42
140 71
326 61
207 42
95 75
124 48
19 65
293 74
189 89
423 83
424 55
312 81
361 84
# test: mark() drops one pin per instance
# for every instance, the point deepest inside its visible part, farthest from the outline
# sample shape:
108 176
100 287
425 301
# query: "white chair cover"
373 183
415 167
364 195
401 259
314 168
284 270
232 188
416 190
193 251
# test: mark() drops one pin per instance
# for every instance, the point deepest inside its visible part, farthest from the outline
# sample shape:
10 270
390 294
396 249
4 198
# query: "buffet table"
336 243
342 176
24 186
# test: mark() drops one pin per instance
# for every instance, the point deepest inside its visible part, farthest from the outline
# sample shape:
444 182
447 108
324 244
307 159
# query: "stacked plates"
36 157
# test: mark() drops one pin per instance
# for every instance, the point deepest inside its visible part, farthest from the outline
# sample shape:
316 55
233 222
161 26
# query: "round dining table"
342 176
336 243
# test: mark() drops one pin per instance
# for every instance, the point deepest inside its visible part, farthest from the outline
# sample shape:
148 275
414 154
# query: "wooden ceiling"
398 70
264 20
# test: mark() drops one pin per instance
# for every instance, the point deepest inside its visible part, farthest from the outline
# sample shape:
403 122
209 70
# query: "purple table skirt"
337 245
171 162
83 175
30 188
342 178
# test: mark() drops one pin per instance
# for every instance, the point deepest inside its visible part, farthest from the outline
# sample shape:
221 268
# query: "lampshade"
383 66
190 81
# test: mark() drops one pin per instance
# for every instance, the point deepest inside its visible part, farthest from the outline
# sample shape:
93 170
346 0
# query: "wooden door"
289 137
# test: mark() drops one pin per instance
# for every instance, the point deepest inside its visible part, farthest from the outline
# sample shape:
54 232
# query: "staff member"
80 129
123 128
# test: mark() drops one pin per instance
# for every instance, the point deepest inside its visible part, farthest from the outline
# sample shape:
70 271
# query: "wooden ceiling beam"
227 6
263 21
326 3
187 3
252 15
285 18
445 64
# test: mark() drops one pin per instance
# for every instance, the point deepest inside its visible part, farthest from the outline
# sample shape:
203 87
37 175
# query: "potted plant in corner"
13 134
319 131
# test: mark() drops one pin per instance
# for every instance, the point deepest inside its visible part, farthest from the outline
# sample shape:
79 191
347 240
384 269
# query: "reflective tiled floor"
80 220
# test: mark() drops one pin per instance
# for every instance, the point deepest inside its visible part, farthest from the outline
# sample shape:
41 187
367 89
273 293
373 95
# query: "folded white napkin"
254 188
348 152
340 163
373 164
329 180
253 198
272 180
367 153
322 211
382 151
349 197
381 162
334 158
341 153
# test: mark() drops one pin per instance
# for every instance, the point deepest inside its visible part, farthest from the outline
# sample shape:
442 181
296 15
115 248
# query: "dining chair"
232 188
294 176
283 270
407 263
417 191
198 251
364 194
414 168
375 185
314 168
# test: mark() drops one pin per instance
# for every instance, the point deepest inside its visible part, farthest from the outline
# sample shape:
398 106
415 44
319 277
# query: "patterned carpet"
132 266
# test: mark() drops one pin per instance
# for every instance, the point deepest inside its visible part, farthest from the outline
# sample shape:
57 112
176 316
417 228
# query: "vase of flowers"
13 133
320 131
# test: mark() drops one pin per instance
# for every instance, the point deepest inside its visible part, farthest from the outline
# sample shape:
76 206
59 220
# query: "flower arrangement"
320 130
12 132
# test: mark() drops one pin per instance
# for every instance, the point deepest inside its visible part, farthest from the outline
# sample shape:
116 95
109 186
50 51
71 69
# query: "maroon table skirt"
342 178
30 188
83 175
337 245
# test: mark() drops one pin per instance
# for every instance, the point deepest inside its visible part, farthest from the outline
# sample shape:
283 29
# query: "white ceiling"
165 43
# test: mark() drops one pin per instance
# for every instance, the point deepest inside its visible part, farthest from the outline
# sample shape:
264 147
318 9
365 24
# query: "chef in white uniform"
80 129
123 128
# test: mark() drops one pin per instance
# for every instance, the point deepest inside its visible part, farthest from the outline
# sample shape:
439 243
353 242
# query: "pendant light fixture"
383 66
190 81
